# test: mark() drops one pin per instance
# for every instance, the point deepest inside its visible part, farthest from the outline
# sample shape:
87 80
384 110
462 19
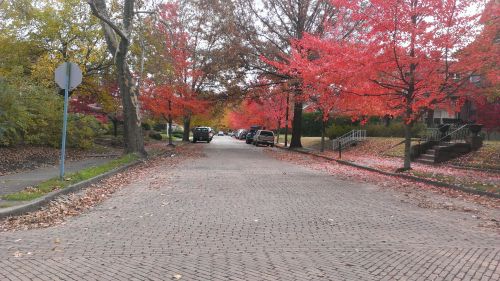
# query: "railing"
458 135
431 134
352 136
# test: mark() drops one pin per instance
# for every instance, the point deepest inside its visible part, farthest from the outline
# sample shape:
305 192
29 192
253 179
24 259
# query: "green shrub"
146 126
395 129
178 134
46 109
159 127
336 131
311 124
14 117
82 131
155 135
33 115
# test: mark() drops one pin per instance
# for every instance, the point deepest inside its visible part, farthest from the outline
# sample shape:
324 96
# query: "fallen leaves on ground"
483 180
74 204
487 157
413 192
22 158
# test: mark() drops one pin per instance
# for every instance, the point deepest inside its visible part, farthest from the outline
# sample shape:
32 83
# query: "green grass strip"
70 179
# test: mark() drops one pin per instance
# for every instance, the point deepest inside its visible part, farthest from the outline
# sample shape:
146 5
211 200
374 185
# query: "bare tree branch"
105 19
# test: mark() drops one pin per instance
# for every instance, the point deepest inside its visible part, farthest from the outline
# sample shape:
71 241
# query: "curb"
36 204
488 170
413 178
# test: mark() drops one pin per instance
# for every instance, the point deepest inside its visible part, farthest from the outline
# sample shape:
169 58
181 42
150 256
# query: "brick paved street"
238 214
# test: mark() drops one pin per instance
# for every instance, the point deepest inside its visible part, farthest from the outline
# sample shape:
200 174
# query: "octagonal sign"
62 72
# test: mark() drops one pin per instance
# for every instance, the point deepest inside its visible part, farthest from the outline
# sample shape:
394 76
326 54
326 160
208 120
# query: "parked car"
264 137
249 137
202 134
220 133
237 133
242 135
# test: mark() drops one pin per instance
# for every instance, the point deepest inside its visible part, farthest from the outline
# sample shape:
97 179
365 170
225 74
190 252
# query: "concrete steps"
429 157
425 161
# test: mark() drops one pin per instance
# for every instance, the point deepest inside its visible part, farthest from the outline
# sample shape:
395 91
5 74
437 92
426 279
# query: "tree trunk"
407 161
278 131
115 126
133 138
296 126
286 118
170 130
187 128
323 125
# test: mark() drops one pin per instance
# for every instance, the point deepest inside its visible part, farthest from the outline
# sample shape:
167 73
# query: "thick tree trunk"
170 130
115 127
133 138
278 131
286 118
323 125
187 128
296 126
407 161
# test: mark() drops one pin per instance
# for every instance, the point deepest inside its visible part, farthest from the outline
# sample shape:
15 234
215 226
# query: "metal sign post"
65 120
68 76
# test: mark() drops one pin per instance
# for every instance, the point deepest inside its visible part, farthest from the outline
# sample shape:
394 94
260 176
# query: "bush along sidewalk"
48 186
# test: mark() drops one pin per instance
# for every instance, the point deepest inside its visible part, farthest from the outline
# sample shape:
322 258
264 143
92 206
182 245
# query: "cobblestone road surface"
240 215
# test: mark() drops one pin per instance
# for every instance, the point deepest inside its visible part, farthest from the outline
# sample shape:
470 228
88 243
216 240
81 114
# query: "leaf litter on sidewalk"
58 210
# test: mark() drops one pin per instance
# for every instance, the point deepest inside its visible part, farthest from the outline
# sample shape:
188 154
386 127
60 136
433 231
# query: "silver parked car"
264 137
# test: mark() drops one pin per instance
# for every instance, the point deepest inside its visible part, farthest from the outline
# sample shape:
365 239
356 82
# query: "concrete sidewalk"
18 181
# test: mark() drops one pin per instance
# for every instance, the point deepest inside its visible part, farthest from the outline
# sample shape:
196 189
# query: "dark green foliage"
159 127
146 126
375 129
155 135
311 124
82 130
395 129
33 115
178 134
336 131
14 118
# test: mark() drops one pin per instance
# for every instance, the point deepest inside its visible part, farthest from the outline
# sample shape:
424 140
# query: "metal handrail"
458 134
432 134
346 134
354 135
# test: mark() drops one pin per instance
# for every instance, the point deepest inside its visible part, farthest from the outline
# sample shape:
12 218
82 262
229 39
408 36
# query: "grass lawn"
55 183
309 142
473 179
371 146
487 157
387 153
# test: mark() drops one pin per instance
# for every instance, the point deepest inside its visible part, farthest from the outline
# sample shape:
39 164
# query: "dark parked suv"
202 134
249 137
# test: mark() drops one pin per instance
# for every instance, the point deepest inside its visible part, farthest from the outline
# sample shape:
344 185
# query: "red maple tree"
482 57
168 94
400 61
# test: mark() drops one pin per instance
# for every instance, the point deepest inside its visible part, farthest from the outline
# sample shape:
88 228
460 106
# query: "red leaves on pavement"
420 194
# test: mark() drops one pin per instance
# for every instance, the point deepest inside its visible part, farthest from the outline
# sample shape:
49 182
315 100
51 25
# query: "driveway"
238 214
